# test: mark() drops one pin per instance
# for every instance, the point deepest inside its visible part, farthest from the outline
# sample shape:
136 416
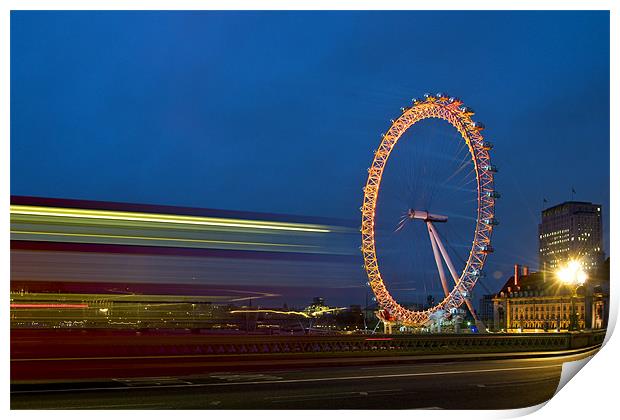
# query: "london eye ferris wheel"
428 210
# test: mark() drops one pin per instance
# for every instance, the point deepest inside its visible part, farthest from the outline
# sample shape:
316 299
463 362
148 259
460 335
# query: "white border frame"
590 394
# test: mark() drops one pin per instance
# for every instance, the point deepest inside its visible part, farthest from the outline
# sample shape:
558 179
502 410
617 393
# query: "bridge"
29 361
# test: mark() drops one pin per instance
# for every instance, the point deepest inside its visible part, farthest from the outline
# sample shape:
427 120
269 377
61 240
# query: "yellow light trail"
324 311
274 311
164 218
271 311
151 238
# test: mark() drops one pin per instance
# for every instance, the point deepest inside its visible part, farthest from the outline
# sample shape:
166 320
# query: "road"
481 384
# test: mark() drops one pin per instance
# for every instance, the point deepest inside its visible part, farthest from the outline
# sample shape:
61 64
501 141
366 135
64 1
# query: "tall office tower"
571 230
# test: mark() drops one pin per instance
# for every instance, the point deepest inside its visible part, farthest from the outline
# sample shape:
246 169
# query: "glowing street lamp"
573 275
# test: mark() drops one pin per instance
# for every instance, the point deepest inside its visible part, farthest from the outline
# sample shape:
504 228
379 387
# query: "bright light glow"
164 218
572 273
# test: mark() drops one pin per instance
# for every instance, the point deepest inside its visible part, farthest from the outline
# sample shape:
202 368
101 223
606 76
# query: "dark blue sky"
280 111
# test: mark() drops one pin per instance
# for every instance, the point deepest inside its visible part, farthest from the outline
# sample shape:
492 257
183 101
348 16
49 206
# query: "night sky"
280 111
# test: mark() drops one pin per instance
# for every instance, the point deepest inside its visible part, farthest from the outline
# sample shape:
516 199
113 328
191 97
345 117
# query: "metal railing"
147 344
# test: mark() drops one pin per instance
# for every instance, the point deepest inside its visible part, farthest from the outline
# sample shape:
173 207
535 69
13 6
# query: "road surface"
477 384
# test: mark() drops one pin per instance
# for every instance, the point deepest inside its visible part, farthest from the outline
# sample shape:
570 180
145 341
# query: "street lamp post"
573 315
572 275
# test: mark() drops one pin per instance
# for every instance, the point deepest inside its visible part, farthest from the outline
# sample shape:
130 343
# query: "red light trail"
48 305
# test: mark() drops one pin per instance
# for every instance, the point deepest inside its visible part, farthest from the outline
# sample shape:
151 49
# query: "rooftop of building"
569 204
533 284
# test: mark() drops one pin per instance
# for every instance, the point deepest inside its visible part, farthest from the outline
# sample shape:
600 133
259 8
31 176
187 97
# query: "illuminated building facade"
530 302
571 230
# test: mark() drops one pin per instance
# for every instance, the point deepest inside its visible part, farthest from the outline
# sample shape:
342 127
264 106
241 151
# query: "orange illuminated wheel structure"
451 110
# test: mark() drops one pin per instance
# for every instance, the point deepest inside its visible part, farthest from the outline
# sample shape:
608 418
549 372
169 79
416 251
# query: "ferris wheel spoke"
455 173
401 224
442 274
444 253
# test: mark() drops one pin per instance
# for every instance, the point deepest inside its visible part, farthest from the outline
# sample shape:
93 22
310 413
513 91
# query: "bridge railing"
147 344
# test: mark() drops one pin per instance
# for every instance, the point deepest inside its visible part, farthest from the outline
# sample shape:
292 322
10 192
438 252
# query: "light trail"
155 238
270 311
324 311
164 218
49 305
274 311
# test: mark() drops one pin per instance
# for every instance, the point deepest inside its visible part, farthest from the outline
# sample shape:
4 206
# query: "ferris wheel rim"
449 109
